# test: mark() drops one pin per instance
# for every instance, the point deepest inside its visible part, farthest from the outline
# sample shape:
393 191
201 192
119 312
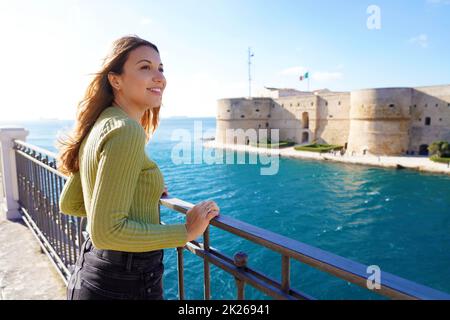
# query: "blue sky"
50 47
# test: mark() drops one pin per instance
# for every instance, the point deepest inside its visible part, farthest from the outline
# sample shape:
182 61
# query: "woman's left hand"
165 192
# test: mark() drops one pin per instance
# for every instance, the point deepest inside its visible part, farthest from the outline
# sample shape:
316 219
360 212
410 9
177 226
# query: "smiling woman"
116 186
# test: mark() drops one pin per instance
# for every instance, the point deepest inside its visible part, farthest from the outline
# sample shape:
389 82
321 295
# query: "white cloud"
421 40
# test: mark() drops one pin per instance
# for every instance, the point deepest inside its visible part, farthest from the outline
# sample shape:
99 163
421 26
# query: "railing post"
9 191
240 261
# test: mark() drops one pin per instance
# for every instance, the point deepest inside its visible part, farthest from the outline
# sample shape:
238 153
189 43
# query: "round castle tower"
241 113
379 121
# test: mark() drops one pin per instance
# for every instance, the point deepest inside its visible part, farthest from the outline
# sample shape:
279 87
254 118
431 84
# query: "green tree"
440 148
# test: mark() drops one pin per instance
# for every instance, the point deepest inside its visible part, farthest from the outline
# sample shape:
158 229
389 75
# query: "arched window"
305 120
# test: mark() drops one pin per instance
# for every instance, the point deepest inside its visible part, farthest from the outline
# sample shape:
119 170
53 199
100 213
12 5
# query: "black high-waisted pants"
109 274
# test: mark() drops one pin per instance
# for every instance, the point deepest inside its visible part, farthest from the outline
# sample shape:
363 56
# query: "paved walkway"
410 162
25 273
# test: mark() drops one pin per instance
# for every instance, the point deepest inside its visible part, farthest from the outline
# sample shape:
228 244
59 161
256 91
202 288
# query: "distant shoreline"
422 164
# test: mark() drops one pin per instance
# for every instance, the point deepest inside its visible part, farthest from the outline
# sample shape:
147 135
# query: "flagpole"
250 55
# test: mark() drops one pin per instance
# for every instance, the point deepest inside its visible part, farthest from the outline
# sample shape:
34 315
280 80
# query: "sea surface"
398 220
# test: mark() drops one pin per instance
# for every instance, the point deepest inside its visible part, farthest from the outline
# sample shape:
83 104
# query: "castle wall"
433 103
287 116
380 121
333 121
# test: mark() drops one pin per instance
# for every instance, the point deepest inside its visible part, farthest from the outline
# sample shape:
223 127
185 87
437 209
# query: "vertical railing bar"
50 201
180 272
36 214
58 222
63 220
285 273
206 266
55 213
240 261
41 203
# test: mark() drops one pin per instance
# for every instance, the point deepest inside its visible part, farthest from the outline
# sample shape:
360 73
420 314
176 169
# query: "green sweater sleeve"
71 200
120 163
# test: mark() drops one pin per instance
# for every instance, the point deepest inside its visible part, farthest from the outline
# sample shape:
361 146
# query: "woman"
116 186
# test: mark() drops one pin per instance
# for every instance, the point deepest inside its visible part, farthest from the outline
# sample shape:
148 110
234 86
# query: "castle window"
291 104
242 116
448 105
259 126
305 120
268 116
339 103
228 110
267 124
440 119
326 103
298 104
282 104
257 110
415 106
426 105
437 105
391 105
312 103
331 116
420 119
427 121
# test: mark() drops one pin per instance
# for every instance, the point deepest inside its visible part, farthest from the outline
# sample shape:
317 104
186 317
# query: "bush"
317 147
440 148
436 158
268 144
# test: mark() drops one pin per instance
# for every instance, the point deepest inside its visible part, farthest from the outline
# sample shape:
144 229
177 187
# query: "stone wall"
382 121
430 116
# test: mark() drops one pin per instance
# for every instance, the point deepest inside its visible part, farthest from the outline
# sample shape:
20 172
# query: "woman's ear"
114 80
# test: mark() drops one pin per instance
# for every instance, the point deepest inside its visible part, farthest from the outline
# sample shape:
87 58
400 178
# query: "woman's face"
142 81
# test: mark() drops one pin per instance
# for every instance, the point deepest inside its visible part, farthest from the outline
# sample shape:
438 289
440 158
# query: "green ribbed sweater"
118 188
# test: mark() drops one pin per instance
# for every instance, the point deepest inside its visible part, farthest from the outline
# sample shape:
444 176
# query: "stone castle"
381 121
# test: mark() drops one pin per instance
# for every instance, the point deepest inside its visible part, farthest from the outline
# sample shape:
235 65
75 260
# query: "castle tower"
380 121
241 113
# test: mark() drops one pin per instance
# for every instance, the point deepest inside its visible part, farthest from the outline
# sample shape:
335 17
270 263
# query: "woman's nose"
159 77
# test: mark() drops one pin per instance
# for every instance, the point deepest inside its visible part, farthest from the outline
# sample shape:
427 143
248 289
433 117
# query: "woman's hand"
165 192
198 217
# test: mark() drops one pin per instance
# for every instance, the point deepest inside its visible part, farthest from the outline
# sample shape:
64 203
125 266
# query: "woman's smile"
155 91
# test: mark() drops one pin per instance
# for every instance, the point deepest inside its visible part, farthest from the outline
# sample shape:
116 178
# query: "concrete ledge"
25 273
415 163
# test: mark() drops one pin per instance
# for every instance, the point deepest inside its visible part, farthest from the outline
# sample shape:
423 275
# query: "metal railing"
60 237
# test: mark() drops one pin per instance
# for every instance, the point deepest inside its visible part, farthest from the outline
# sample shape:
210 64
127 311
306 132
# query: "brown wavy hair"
98 96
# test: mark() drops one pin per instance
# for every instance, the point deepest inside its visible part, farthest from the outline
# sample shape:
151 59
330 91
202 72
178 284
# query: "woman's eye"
162 70
145 67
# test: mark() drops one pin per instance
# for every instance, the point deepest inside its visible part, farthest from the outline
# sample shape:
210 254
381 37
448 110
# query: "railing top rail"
36 148
356 272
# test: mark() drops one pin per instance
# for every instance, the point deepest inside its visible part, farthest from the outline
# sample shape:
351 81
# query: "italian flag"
305 76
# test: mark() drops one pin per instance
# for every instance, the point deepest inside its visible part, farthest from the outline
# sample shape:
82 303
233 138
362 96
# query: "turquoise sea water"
398 220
